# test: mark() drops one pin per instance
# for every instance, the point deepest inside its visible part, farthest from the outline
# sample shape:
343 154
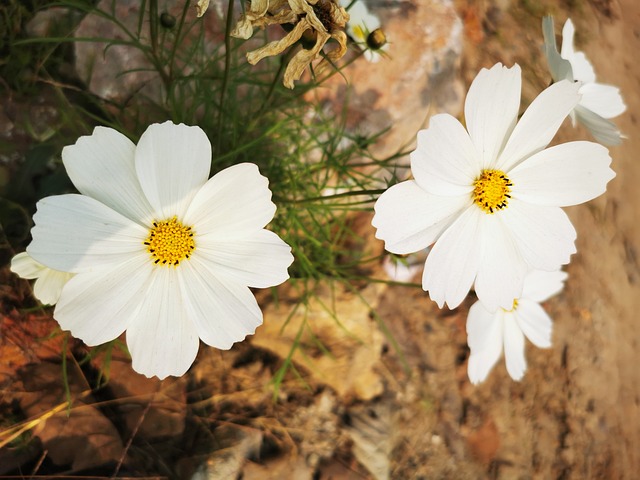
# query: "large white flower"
599 102
491 332
489 197
156 248
48 285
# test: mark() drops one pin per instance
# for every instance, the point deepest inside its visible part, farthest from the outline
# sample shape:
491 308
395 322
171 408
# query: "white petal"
48 284
491 109
603 130
559 67
582 69
534 322
75 233
172 163
539 123
260 261
445 161
374 56
409 219
48 287
544 235
26 267
540 285
514 347
604 100
102 166
359 16
98 306
223 312
502 269
567 174
162 339
232 204
454 260
484 336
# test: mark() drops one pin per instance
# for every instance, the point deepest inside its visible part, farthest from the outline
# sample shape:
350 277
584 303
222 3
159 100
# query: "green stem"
153 25
227 67
377 191
178 37
276 80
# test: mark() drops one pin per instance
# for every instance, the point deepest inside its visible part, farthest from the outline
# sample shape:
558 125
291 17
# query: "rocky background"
387 395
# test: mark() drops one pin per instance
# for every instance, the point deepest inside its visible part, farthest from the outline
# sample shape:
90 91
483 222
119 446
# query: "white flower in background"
157 248
489 333
490 196
364 28
402 269
599 102
48 284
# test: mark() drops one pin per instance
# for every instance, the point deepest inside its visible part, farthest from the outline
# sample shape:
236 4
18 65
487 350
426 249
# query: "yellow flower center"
358 32
169 242
491 190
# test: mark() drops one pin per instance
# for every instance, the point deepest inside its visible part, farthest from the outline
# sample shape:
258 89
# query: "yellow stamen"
358 32
169 242
491 191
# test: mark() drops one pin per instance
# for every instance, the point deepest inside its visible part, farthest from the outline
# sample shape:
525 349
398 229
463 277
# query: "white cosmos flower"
364 28
490 196
48 284
491 332
599 102
157 248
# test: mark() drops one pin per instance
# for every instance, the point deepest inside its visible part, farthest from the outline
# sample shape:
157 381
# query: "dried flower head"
317 20
201 7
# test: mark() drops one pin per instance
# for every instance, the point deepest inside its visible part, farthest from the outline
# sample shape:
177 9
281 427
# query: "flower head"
364 28
156 248
318 20
489 333
598 102
490 196
48 285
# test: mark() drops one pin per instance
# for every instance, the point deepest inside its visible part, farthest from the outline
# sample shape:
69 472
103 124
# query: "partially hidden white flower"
48 284
157 248
364 28
490 196
489 333
402 270
599 101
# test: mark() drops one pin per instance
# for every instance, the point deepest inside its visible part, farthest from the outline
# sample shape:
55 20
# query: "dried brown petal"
201 7
244 27
320 20
303 59
278 46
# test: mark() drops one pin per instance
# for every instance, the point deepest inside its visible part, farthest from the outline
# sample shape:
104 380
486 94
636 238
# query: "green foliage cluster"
320 173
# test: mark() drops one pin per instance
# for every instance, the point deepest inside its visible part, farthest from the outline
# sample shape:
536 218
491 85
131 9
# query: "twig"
133 434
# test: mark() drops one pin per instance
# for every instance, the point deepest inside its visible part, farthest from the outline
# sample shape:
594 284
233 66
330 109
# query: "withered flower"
262 13
317 20
201 7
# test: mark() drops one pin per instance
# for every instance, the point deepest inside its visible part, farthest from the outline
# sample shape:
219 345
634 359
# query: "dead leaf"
81 437
340 344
